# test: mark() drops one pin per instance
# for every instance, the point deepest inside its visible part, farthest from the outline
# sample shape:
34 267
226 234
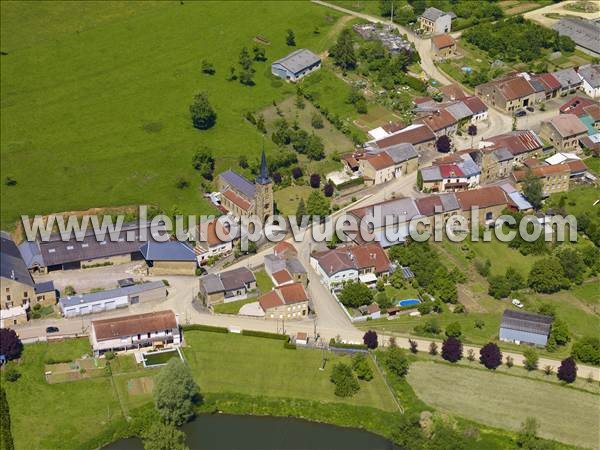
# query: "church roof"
263 177
239 183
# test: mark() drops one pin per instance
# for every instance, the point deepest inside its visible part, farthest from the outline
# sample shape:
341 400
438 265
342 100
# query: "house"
288 302
216 238
440 122
85 251
434 21
583 32
440 207
296 65
373 311
554 178
285 262
386 130
568 79
122 297
479 110
518 326
578 169
591 118
169 258
591 142
452 92
418 134
451 177
17 315
564 132
18 288
443 46
365 263
550 85
393 162
281 277
243 198
576 106
488 202
590 79
284 249
135 332
225 287
508 93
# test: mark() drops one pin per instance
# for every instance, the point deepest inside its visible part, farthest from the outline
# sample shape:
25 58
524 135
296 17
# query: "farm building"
525 327
122 297
134 332
296 65
169 258
226 286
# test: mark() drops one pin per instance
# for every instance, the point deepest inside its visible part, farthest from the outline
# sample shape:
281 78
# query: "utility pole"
392 14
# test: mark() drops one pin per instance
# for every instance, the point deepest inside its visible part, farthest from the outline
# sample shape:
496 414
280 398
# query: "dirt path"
334 31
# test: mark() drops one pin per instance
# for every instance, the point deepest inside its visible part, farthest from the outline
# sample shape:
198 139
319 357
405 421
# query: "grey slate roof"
239 183
468 166
167 251
299 60
227 281
45 286
459 110
433 14
584 32
402 152
295 266
567 77
503 154
108 294
537 85
591 74
522 321
431 173
31 253
449 202
11 263
402 210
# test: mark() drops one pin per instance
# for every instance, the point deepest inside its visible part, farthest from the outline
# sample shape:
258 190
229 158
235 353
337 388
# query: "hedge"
334 344
350 183
58 361
199 327
6 440
264 334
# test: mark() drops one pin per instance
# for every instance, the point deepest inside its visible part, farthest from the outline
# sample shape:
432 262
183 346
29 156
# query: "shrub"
396 361
370 339
587 350
296 172
265 334
567 371
203 114
433 349
346 384
413 346
453 330
490 355
182 183
510 361
316 121
452 349
10 181
360 365
548 370
11 374
424 308
471 355
109 355
69 290
315 180
328 189
531 358
10 344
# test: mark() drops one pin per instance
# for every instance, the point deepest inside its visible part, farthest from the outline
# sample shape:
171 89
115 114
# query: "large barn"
525 327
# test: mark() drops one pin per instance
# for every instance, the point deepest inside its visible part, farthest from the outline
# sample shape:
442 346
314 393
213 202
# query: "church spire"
263 177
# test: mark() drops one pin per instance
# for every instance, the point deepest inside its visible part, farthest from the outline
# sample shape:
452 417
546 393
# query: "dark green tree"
547 276
203 114
290 38
361 367
317 204
343 51
300 212
175 392
396 361
204 162
163 436
355 294
533 189
346 384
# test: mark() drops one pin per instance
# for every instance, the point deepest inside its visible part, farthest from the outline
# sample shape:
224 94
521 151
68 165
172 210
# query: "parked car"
517 303
520 113
51 329
530 109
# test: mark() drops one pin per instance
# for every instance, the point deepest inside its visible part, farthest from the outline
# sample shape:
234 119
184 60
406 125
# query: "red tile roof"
426 205
282 277
453 92
568 125
439 120
417 135
450 171
284 247
293 293
593 111
483 198
443 41
577 166
124 326
357 257
373 308
516 142
549 80
237 200
211 233
532 162
516 87
351 160
475 104
393 127
380 161
542 171
270 300
576 106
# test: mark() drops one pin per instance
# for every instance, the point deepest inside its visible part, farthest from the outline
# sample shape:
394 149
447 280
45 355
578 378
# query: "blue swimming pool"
408 302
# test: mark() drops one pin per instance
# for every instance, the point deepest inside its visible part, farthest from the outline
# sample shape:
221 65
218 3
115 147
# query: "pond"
228 432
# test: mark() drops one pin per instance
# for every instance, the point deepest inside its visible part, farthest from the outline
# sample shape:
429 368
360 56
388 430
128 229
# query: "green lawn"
503 401
232 307
588 292
593 164
502 256
95 97
230 363
287 199
263 281
401 294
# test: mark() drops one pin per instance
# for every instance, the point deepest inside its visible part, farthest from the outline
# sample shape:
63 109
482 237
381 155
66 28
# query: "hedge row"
6 440
199 327
350 183
334 344
58 361
265 334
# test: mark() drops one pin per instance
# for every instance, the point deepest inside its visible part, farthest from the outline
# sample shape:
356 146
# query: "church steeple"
263 177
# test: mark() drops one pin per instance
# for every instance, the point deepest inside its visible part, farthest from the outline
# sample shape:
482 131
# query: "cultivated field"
564 414
95 100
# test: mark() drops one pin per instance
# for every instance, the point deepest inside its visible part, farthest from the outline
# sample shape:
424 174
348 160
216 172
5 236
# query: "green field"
287 199
95 97
503 401
232 307
593 164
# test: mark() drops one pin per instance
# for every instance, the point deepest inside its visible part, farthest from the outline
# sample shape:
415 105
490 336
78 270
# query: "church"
243 198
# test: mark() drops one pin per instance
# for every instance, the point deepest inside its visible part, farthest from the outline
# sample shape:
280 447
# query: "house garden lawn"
498 400
111 125
263 281
226 363
593 164
401 293
287 198
233 307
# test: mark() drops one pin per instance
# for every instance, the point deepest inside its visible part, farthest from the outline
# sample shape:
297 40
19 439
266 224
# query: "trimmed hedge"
199 327
264 334
58 361
334 344
6 440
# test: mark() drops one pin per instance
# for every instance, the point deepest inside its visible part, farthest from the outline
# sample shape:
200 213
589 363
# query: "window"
85 245
25 294
51 250
7 289
488 216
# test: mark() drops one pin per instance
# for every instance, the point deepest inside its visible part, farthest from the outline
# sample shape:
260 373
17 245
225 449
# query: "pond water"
228 432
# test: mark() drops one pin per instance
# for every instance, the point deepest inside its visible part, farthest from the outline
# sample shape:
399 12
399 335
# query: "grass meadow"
95 97
503 401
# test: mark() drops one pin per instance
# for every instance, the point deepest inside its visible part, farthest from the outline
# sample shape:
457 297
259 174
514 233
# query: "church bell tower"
264 191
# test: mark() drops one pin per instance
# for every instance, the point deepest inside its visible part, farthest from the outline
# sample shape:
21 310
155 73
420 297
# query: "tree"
328 189
433 349
360 365
203 114
317 204
490 355
355 294
315 180
531 359
343 51
533 189
231 75
290 38
424 308
453 330
527 435
10 344
259 53
560 332
396 361
315 149
300 212
316 121
175 392
572 263
296 172
246 77
472 130
452 349
346 384
243 161
245 61
514 279
370 340
10 181
499 287
567 371
207 67
204 162
413 346
260 124
431 326
547 276
587 350
163 436
419 180
443 144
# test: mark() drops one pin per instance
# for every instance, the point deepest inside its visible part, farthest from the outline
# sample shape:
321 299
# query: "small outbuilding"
169 258
296 65
518 326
